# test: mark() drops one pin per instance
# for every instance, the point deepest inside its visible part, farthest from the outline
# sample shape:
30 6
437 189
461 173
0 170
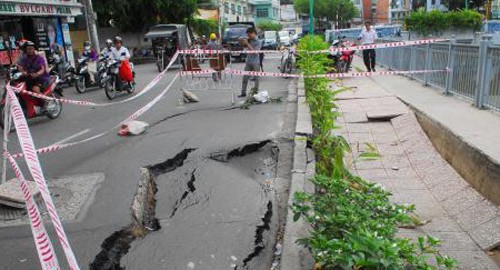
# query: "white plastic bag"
262 96
133 128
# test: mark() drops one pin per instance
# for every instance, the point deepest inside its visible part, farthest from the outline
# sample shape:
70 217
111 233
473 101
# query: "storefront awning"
62 8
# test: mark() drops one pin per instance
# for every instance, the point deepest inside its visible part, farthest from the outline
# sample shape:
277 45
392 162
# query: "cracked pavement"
213 212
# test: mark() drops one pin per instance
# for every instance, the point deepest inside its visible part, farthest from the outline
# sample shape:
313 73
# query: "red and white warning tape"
197 72
332 49
132 117
45 250
92 104
31 158
331 75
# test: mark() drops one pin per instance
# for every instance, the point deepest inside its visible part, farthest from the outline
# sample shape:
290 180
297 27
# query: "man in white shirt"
368 36
120 52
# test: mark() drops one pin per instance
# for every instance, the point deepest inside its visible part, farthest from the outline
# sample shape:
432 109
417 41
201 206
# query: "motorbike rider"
120 52
106 52
34 68
91 54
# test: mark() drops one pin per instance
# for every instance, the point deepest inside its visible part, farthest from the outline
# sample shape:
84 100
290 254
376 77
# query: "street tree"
340 12
136 15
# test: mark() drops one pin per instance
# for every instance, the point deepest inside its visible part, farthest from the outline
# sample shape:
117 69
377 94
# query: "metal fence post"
412 60
428 64
451 66
482 70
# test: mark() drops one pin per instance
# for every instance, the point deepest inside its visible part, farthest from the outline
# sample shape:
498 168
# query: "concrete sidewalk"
411 167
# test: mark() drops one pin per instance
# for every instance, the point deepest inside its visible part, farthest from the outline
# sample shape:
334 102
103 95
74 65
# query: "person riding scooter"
120 52
107 52
92 56
34 68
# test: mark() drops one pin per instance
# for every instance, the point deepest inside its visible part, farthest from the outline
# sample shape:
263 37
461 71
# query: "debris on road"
189 97
133 128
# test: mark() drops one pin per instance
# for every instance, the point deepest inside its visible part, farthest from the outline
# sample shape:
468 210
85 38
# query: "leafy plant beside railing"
435 22
353 222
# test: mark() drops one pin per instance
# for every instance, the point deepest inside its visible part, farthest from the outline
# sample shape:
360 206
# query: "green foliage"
138 15
269 26
338 11
435 22
353 222
204 27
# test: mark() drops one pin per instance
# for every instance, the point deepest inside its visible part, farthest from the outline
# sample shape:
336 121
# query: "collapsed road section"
201 211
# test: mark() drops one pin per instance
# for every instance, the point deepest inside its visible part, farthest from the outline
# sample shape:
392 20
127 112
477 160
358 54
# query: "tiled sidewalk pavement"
415 173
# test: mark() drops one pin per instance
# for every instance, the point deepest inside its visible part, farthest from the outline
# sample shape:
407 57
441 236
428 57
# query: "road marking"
70 137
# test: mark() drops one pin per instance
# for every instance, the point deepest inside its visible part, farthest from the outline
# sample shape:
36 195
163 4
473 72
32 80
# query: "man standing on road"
368 36
253 59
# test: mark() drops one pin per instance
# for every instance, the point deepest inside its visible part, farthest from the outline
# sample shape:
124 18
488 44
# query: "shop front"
45 22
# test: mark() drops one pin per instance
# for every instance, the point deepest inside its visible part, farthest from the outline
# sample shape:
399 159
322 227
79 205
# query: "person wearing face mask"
92 56
106 52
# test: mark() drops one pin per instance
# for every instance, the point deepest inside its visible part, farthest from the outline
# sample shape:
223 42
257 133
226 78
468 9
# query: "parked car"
284 37
270 40
231 38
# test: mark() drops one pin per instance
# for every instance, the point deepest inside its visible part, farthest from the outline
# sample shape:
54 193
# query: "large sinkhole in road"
214 211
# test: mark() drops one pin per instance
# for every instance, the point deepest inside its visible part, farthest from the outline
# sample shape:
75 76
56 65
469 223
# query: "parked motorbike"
62 69
287 60
82 77
114 83
32 107
341 61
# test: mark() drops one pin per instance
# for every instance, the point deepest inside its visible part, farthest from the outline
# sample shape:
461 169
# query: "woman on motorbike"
92 56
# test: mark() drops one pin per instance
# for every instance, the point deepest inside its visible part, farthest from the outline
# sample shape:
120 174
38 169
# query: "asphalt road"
217 208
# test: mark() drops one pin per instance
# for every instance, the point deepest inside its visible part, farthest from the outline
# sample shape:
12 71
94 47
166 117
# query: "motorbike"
287 60
82 77
114 83
62 69
32 106
341 61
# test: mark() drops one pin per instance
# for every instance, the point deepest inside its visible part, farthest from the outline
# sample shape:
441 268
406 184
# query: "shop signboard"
48 8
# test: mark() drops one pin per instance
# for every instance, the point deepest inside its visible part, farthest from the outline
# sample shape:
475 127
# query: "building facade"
385 11
45 22
250 10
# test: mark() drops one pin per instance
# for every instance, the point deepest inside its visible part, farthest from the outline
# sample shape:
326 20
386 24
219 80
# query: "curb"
294 256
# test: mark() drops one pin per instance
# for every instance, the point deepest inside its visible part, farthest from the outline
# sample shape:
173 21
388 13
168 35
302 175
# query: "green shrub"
269 26
204 27
353 222
435 22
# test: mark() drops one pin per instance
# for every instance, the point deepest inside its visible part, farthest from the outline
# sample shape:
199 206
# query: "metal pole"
311 18
482 71
428 65
6 129
91 22
451 66
219 4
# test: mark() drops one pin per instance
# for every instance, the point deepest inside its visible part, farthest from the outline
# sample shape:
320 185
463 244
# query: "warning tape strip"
331 75
45 250
197 72
332 49
132 117
92 104
33 163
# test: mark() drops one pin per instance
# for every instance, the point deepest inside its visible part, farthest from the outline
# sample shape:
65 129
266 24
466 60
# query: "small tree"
269 26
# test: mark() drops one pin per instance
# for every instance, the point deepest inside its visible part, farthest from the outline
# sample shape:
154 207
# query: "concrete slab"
487 236
304 124
12 195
